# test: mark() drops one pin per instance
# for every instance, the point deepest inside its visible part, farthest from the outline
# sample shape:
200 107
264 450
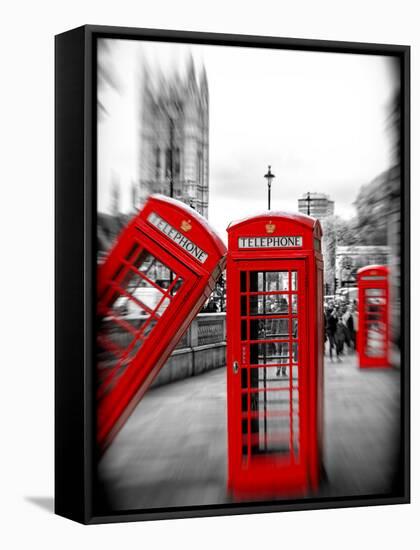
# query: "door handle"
235 367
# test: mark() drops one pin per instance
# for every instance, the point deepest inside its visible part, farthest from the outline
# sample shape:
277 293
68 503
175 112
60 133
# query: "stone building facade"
174 138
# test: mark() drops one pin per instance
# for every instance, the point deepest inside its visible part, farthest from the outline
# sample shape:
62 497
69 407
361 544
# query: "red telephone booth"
156 278
373 329
275 349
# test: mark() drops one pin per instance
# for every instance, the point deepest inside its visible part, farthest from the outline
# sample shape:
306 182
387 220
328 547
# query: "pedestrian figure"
348 326
355 322
340 337
331 327
279 307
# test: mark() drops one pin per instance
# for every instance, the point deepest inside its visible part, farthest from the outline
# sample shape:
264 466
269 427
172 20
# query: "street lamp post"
171 111
171 155
308 202
269 177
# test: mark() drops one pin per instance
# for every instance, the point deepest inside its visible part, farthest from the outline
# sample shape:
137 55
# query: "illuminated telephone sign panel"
373 329
154 281
275 349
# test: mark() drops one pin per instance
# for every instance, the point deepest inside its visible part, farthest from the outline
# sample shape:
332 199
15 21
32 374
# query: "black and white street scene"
232 132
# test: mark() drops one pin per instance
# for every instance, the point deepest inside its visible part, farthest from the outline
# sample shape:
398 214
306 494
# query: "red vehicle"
373 332
275 354
156 278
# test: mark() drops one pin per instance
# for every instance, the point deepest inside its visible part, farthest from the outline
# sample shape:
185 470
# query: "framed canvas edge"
406 266
70 272
246 509
85 513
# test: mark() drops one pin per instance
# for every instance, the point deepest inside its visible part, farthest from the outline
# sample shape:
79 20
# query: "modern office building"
318 205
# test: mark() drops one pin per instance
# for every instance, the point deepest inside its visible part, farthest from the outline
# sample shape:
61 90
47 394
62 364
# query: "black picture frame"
76 493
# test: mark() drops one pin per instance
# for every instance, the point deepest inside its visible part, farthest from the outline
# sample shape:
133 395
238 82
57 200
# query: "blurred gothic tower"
174 138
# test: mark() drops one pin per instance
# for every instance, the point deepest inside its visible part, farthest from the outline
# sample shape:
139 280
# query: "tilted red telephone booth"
156 278
275 348
373 329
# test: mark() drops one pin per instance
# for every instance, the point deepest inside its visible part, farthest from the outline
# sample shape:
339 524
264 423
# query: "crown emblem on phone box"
270 227
186 225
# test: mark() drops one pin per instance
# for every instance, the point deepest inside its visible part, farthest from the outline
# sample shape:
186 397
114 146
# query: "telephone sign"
163 267
270 242
178 237
274 354
373 333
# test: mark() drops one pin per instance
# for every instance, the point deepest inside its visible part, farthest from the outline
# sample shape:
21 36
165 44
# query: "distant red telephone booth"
373 329
156 278
275 349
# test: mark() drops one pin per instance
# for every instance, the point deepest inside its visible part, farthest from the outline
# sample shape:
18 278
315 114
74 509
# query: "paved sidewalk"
173 449
362 416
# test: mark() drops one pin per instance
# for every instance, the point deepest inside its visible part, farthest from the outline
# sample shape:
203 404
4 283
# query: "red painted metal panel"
373 335
163 266
274 355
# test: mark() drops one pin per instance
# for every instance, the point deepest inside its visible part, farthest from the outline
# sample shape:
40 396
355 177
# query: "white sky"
319 119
